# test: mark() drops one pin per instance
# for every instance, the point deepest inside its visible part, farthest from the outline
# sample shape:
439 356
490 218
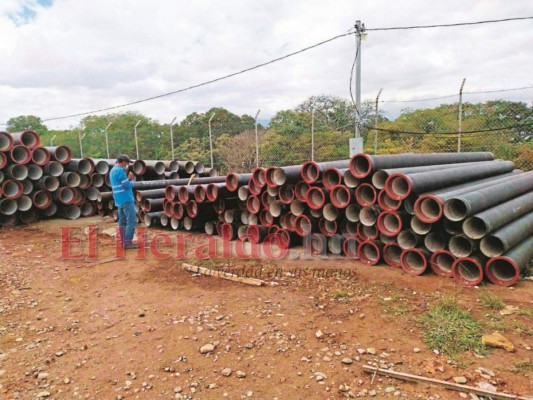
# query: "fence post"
52 141
80 137
376 121
106 139
256 141
211 138
460 127
313 134
136 141
172 137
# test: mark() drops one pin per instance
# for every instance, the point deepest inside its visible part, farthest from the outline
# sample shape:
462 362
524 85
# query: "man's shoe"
130 246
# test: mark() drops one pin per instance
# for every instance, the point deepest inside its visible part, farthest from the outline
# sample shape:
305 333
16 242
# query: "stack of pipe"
38 181
460 215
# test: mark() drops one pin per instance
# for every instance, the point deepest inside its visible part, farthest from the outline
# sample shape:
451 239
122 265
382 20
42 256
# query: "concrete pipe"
368 216
350 247
88 209
333 177
70 179
24 203
315 245
481 224
84 166
256 233
370 252
362 165
178 211
441 263
12 189
50 211
367 232
435 241
229 232
388 203
29 216
341 196
312 171
399 186
300 191
199 194
266 218
327 228
304 225
40 156
49 183
335 244
3 161
468 271
152 218
348 227
420 227
407 239
27 187
16 171
234 181
330 212
258 176
502 240
6 142
316 197
461 246
391 223
20 155
28 138
276 208
415 261
152 205
62 154
8 206
505 270
164 220
175 223
35 172
460 207
392 255
350 181
93 193
53 168
352 212
69 212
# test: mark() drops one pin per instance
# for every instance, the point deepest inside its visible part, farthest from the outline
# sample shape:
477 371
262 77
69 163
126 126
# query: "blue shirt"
121 186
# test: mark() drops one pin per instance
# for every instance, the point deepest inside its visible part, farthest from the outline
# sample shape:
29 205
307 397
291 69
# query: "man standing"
122 185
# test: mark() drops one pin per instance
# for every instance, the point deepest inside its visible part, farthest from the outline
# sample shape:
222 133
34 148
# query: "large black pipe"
380 176
505 270
428 206
312 171
234 181
149 194
479 225
460 207
62 154
399 186
83 166
362 165
502 240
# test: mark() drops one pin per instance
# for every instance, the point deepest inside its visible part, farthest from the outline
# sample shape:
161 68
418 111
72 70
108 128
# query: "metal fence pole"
106 139
256 141
172 137
136 140
460 127
211 139
52 141
376 121
313 134
80 137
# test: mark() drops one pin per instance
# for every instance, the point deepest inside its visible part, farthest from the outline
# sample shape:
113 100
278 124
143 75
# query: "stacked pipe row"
37 181
460 215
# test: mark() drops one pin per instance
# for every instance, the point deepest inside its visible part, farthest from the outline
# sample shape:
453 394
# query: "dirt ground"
133 328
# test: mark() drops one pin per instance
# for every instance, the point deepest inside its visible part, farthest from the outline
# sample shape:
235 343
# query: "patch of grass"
451 329
522 366
490 300
395 306
340 294
527 312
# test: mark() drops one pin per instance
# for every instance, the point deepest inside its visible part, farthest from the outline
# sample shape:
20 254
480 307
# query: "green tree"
17 124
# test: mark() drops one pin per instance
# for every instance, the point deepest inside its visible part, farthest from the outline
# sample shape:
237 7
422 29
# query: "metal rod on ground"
172 137
460 115
376 123
136 140
256 141
211 138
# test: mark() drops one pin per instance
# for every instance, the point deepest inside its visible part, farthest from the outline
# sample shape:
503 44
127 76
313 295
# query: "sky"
62 57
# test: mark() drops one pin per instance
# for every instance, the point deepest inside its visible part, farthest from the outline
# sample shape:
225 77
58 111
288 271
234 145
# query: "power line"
491 21
203 83
455 95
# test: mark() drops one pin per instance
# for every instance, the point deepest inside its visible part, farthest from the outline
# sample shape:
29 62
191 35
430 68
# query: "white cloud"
77 56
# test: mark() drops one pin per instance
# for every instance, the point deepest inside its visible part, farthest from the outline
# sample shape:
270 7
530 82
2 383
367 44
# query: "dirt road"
146 329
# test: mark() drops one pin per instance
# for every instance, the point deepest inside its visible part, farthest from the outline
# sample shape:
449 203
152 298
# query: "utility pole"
172 137
106 139
359 34
136 140
313 133
256 140
211 138
356 144
376 120
460 116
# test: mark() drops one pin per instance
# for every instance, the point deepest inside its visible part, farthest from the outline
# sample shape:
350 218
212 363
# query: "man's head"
123 160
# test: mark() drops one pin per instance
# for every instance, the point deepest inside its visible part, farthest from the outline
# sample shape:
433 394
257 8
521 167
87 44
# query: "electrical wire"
491 21
204 83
